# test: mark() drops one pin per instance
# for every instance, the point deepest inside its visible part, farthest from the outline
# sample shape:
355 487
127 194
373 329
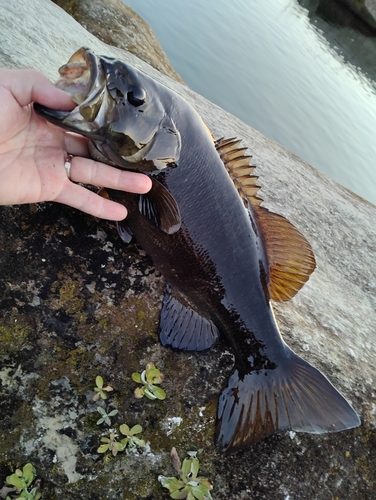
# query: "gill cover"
126 115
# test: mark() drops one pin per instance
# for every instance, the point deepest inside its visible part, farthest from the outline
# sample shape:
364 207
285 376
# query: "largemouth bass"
224 256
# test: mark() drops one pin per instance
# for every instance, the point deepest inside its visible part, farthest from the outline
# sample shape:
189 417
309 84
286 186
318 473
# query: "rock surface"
364 9
76 302
115 23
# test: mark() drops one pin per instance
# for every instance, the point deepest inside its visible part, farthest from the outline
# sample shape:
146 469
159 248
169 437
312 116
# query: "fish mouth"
84 78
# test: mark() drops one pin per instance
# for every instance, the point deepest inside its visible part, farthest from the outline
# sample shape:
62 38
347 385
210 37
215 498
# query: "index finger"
98 174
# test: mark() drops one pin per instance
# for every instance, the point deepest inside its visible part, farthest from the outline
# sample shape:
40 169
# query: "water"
278 66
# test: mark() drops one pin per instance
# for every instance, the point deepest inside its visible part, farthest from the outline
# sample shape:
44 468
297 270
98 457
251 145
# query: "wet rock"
76 303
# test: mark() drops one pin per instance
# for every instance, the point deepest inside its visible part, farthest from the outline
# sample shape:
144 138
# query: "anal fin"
124 231
183 328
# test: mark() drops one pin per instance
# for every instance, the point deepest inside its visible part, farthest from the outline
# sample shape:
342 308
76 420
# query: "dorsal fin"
239 169
289 255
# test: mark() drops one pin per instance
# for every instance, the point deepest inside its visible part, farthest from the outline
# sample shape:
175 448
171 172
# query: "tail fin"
293 396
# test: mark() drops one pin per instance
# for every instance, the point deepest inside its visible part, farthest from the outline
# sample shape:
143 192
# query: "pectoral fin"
183 328
160 207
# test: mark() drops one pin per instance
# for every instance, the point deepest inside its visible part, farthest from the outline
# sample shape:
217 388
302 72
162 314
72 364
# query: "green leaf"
180 493
118 446
136 377
112 413
124 442
151 374
16 481
171 483
124 429
136 429
198 493
28 473
149 394
99 382
158 392
186 469
205 483
103 448
139 442
194 468
35 494
159 379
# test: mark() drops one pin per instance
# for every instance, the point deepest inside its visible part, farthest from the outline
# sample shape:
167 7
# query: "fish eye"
136 97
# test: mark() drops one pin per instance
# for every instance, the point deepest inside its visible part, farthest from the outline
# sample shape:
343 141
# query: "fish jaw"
120 110
84 79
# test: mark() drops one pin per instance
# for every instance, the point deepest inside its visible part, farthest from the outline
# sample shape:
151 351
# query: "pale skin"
33 153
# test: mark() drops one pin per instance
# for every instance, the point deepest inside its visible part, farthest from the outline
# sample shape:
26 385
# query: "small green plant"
130 443
188 485
100 390
23 483
105 416
149 378
111 444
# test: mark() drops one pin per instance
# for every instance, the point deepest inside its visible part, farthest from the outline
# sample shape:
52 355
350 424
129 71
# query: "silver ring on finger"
67 166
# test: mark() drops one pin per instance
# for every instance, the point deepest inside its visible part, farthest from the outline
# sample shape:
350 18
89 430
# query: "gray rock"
76 303
363 9
115 23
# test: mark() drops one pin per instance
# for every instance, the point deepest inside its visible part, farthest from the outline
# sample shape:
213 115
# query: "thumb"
27 86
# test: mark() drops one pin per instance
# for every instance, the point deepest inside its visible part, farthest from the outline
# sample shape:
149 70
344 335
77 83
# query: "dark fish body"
223 256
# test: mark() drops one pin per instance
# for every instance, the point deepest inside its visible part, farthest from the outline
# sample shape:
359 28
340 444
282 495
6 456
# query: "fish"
224 256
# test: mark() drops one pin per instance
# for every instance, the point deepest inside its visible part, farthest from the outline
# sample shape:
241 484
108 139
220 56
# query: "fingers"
77 196
28 86
87 171
75 144
98 174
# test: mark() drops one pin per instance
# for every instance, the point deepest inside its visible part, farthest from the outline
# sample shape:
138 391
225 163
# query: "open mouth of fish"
84 77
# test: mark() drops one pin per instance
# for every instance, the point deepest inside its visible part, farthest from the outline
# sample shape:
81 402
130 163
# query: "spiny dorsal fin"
239 169
289 255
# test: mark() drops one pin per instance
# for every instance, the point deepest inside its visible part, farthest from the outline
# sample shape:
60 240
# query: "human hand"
33 152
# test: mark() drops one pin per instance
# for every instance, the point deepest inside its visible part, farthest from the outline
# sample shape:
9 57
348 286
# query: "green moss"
70 6
12 338
70 295
22 424
90 423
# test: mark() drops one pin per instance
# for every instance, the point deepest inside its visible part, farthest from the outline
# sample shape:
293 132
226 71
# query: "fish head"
126 115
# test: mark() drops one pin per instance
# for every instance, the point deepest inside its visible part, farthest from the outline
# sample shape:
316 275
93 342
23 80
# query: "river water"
285 68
